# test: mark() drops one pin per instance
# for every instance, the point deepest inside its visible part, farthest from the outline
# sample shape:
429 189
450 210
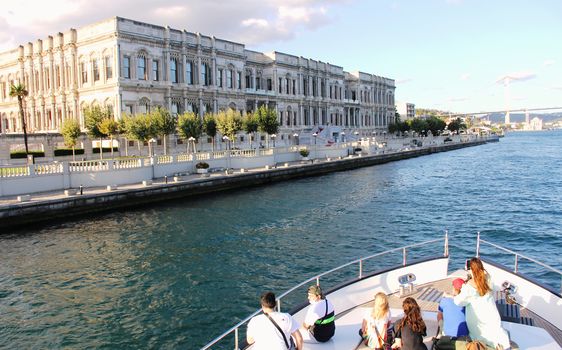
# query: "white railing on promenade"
43 169
182 158
127 163
89 166
14 171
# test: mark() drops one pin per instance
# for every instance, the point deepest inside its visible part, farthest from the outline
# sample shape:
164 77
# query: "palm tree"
20 91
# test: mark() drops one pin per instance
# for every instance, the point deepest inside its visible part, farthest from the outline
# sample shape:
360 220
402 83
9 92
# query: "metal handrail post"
403 256
236 339
478 244
446 252
318 280
360 268
278 305
516 258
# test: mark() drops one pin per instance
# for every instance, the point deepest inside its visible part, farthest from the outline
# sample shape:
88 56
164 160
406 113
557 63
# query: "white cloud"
245 21
558 87
458 99
404 80
516 77
465 76
549 63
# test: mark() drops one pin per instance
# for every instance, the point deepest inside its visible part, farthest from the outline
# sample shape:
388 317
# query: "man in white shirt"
272 330
319 322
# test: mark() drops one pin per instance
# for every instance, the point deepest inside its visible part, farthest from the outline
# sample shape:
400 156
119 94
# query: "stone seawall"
19 214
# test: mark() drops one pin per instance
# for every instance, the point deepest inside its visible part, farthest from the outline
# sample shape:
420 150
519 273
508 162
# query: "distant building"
534 125
406 110
131 67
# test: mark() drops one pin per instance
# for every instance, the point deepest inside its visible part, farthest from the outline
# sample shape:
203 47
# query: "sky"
463 56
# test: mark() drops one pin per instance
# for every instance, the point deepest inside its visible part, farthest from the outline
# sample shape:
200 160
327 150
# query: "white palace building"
130 67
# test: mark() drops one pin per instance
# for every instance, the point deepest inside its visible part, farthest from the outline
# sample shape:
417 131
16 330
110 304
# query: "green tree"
229 123
210 127
18 90
250 125
189 125
456 124
140 128
435 125
165 124
418 125
109 127
70 131
93 117
267 120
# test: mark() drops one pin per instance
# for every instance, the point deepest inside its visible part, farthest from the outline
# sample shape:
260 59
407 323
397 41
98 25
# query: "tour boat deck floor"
428 296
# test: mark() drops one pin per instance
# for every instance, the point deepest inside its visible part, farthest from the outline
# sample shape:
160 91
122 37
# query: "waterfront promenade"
164 177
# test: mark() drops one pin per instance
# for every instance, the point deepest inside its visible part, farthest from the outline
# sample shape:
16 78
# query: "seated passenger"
411 329
482 316
273 330
452 315
319 323
376 323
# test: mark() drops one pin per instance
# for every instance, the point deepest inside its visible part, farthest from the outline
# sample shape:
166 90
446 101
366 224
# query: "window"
287 86
83 70
141 68
96 70
48 77
269 84
305 86
229 79
155 71
189 73
57 76
294 87
280 86
174 70
239 80
258 83
248 81
205 74
219 78
127 67
175 109
108 67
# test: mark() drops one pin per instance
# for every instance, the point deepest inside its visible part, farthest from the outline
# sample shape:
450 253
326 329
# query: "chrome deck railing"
517 256
235 329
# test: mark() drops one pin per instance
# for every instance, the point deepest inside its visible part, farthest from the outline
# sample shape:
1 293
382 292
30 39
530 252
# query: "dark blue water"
177 274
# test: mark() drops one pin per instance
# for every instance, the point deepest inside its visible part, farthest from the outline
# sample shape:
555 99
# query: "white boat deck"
544 336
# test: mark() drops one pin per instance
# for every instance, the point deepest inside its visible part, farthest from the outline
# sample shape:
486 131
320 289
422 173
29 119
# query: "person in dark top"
411 329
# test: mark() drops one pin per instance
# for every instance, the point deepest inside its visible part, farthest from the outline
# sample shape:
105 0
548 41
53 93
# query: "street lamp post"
227 140
315 149
343 136
273 137
296 136
151 143
192 142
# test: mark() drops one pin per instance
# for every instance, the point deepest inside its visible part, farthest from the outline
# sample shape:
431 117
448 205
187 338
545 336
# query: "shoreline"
50 206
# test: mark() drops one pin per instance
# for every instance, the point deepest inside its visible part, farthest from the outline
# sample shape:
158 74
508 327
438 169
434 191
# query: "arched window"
144 105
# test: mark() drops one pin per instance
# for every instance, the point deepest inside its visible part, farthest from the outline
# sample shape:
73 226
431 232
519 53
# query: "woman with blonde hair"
482 317
376 323
411 329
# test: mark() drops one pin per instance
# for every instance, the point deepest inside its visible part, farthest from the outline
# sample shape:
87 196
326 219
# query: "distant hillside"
520 117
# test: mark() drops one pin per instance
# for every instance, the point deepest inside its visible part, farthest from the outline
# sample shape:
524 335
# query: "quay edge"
20 214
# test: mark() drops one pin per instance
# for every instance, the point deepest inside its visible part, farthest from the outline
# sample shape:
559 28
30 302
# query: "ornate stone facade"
131 67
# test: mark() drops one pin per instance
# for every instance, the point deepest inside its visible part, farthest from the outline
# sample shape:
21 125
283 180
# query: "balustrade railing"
43 169
14 171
